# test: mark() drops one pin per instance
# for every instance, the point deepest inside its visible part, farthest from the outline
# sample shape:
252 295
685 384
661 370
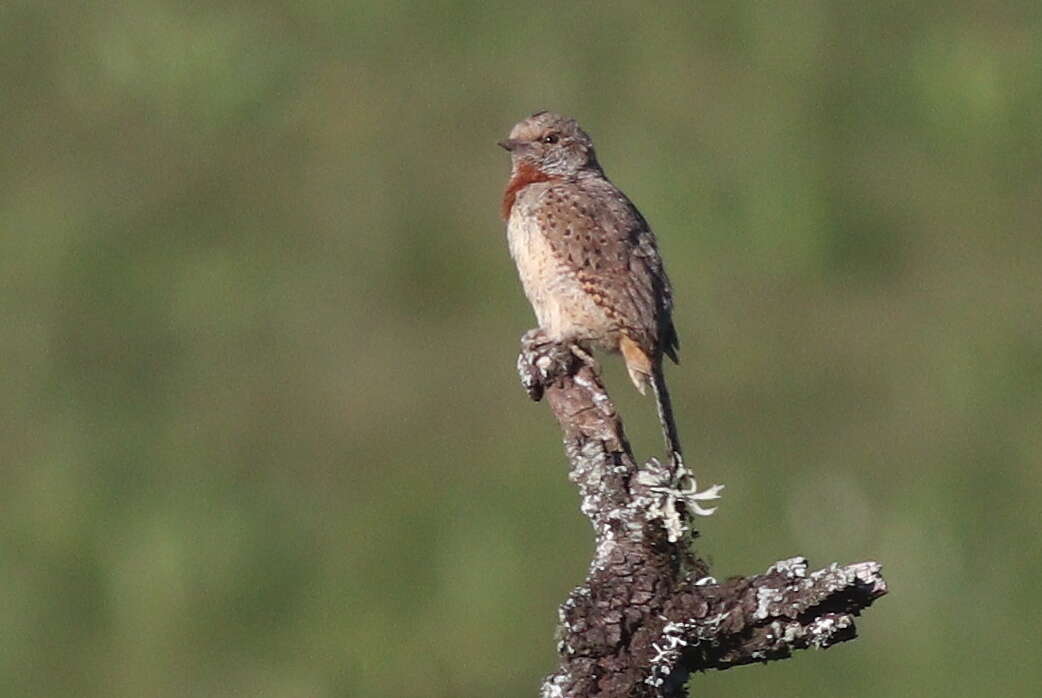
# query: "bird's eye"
550 138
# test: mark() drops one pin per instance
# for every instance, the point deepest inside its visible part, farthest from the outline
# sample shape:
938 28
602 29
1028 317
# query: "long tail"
665 413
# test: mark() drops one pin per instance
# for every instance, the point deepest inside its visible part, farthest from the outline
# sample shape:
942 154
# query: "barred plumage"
587 258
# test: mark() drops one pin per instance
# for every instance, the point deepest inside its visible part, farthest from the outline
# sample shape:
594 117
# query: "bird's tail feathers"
665 414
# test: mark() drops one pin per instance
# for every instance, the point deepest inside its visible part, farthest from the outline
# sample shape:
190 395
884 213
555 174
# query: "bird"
588 260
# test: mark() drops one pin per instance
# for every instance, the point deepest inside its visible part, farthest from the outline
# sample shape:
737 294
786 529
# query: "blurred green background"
261 431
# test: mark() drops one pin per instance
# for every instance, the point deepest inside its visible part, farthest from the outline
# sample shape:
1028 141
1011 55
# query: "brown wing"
597 230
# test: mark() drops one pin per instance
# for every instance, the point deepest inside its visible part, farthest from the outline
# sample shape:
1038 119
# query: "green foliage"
261 429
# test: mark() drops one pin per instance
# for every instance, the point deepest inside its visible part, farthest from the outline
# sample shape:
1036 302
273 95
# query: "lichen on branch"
648 614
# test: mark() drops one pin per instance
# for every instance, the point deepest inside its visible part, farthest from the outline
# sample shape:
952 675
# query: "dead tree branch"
648 614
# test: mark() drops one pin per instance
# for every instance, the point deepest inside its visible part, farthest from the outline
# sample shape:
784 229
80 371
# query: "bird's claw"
585 356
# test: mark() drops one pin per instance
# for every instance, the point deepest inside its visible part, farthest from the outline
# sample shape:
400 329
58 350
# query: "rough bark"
648 613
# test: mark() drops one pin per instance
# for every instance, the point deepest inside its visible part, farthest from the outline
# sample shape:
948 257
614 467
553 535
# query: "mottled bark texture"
648 614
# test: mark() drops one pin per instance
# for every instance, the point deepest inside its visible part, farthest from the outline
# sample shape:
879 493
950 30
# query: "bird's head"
552 144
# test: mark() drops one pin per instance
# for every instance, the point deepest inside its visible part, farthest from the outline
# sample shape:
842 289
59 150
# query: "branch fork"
648 614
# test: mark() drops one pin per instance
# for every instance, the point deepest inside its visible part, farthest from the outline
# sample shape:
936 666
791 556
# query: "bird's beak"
511 144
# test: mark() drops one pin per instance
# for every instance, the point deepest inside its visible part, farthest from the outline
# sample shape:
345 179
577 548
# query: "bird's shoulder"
588 219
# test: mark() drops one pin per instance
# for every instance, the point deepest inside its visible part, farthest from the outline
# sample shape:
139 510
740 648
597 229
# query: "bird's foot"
586 357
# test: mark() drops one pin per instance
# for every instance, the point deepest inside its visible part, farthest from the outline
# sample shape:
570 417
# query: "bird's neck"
523 175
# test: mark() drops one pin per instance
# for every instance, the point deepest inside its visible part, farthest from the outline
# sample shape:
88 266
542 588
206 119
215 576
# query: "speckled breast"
564 310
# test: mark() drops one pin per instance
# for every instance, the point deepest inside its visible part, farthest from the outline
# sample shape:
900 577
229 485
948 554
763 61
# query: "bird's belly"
565 311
